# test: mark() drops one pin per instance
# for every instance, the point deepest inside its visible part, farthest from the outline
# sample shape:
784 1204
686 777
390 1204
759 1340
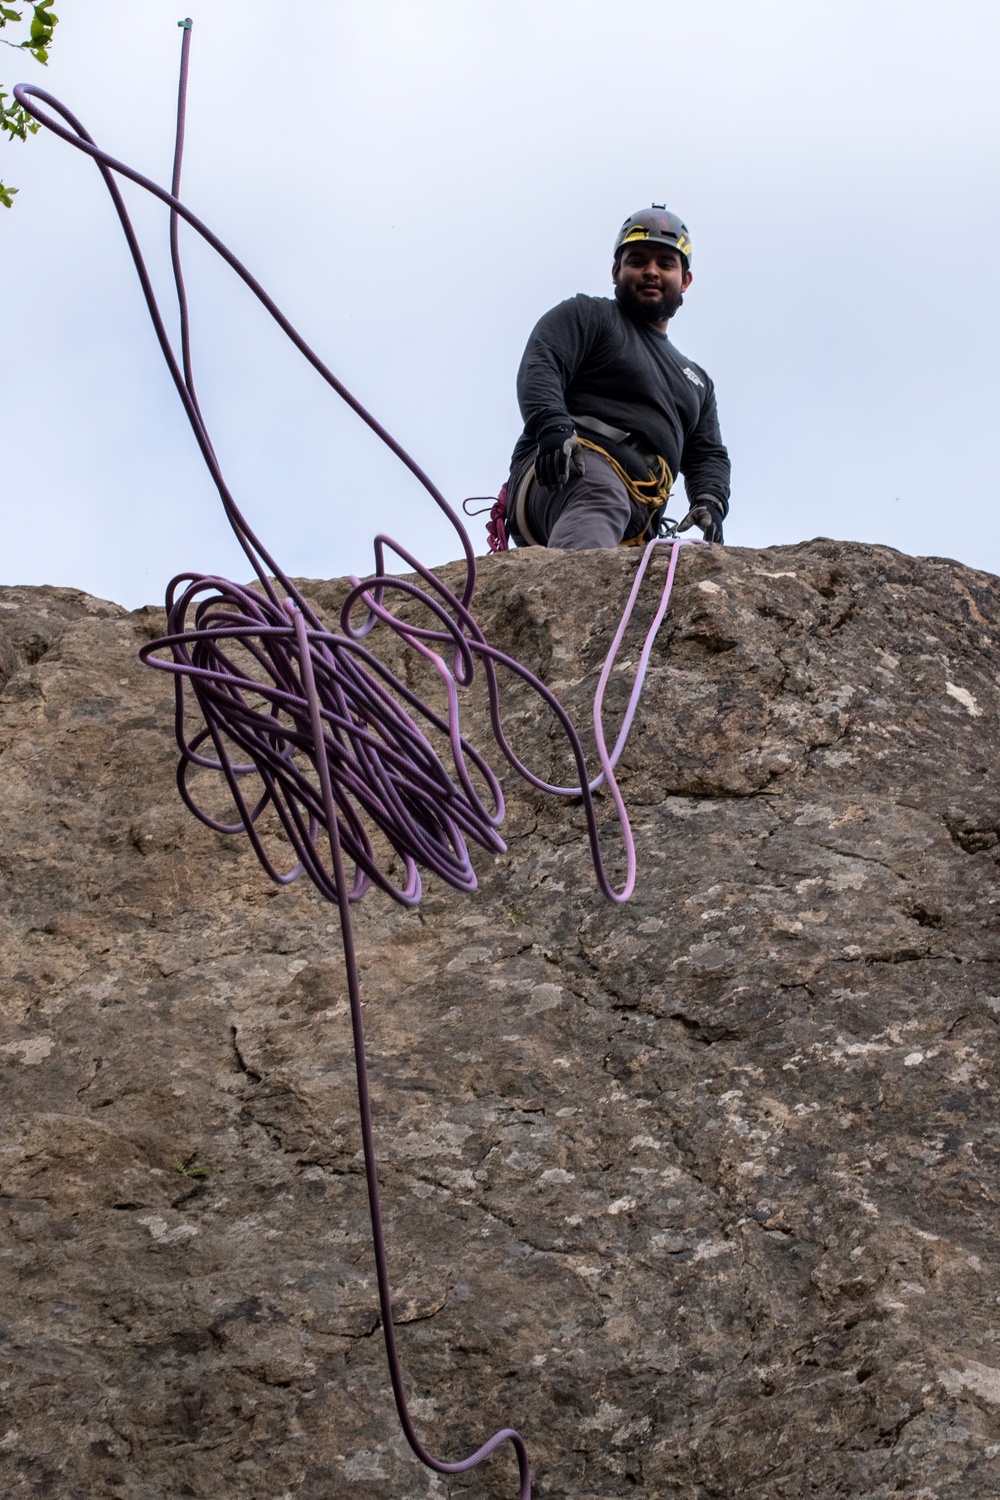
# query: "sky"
416 182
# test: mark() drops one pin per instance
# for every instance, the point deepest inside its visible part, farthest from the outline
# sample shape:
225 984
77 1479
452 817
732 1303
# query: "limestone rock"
699 1193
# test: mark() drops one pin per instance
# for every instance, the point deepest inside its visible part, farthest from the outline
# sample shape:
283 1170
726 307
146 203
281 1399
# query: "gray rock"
699 1193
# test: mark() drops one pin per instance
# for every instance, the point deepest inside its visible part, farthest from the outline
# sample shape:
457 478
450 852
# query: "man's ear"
686 282
615 268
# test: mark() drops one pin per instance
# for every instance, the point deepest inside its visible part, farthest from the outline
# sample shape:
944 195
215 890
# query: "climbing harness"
652 493
318 727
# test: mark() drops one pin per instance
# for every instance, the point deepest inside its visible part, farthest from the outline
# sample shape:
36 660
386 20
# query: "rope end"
187 23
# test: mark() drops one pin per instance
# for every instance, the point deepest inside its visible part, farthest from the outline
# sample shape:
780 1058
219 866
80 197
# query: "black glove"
706 514
559 454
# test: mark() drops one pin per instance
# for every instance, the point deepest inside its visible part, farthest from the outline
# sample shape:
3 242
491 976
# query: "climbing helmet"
659 225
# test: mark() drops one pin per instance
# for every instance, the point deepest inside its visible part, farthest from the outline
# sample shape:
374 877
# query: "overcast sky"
417 181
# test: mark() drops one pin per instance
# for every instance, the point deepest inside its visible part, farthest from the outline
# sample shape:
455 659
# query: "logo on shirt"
693 377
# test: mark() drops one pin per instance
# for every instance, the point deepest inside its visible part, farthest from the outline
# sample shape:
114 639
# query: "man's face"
650 281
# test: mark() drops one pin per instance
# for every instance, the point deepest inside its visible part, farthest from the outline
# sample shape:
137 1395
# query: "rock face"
699 1193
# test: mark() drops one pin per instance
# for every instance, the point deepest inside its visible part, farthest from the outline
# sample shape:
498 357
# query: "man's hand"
559 454
706 514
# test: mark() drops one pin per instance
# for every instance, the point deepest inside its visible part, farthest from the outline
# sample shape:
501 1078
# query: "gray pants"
591 510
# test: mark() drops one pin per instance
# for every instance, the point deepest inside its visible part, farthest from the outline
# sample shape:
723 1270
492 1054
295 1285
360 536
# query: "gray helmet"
660 226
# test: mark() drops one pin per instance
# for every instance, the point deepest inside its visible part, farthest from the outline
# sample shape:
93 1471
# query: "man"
613 412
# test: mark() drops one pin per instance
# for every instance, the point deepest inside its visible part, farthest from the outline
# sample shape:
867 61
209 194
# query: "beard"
642 311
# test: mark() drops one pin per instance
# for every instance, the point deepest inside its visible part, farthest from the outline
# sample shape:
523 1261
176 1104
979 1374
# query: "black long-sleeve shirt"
588 358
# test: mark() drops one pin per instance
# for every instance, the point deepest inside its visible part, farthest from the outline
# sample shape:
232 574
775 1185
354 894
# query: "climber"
612 410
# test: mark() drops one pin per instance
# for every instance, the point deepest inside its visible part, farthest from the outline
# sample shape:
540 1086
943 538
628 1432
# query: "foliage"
14 121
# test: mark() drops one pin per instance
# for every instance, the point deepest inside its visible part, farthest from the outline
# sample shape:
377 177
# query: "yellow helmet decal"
640 232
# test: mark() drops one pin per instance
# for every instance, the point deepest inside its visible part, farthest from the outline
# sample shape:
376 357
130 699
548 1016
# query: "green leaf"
16 122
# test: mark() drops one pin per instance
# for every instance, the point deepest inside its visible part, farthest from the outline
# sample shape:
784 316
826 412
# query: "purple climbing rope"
312 725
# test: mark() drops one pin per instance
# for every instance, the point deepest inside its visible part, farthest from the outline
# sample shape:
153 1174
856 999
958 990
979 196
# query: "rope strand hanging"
309 723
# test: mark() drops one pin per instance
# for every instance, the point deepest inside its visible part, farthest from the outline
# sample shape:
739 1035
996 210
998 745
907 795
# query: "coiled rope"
318 727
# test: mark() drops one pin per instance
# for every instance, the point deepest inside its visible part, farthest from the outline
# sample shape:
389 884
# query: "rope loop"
237 652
